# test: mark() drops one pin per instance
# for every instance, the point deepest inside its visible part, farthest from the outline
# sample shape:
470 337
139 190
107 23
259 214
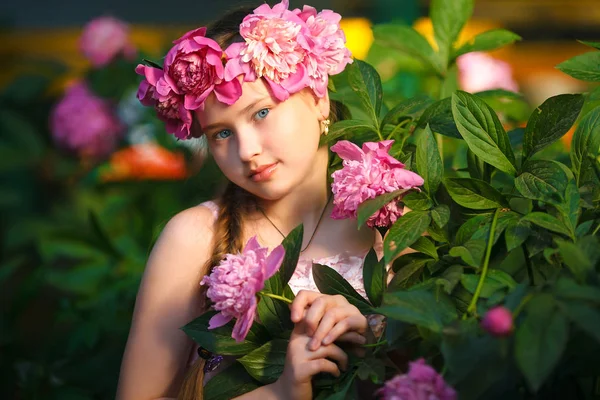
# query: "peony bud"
498 321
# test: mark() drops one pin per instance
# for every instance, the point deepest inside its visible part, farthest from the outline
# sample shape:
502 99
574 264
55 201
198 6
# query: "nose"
249 144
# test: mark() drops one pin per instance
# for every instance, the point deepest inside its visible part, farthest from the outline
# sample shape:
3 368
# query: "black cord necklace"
316 227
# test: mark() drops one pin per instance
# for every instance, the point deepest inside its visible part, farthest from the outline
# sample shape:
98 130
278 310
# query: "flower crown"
290 50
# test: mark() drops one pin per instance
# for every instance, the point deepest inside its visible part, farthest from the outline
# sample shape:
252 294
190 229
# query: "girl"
261 114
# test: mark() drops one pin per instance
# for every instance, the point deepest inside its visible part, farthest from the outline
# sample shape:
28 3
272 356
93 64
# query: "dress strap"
212 206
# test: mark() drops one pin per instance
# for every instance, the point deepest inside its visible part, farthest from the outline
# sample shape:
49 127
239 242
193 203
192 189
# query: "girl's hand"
301 364
328 318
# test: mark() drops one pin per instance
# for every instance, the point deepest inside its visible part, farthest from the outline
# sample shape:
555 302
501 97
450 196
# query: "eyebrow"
243 111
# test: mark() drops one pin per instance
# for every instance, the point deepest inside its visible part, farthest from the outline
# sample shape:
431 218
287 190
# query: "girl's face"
262 145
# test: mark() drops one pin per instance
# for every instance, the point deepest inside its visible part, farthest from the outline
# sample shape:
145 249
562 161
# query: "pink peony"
421 382
327 53
366 174
84 123
105 38
498 321
160 93
235 282
194 69
274 49
478 72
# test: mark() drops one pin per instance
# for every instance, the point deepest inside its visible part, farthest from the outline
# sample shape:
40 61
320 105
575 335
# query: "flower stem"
596 230
529 265
486 262
274 296
379 343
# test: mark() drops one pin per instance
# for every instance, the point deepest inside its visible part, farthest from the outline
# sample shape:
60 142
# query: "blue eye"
224 134
262 113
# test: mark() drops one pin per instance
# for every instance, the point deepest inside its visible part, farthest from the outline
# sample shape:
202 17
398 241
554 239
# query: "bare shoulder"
169 297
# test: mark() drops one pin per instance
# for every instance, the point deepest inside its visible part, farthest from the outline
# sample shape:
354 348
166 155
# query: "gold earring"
325 126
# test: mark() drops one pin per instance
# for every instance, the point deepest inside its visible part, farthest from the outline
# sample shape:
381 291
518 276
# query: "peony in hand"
498 321
85 123
234 284
367 173
421 382
105 38
478 72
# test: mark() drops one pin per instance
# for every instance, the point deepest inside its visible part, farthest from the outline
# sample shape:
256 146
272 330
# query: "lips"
263 172
260 169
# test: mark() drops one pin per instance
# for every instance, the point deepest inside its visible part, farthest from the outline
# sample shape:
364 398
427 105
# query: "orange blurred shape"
566 139
145 161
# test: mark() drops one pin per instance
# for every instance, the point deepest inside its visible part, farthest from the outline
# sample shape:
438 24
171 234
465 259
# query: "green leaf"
471 226
584 316
547 221
540 340
292 244
441 215
407 40
542 180
409 108
425 246
440 119
348 129
405 231
478 169
550 121
569 289
418 307
583 67
219 340
274 314
151 63
486 41
494 281
595 45
232 382
580 257
471 252
329 281
374 278
448 18
265 364
365 81
516 234
418 201
570 209
474 194
586 140
370 207
480 127
429 162
512 106
450 278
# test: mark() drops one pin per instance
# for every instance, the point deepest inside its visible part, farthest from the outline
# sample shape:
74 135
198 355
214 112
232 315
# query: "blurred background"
88 177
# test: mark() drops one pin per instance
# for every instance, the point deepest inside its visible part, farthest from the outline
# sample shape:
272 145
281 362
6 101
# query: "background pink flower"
194 69
85 123
158 92
420 383
498 321
366 174
105 38
478 72
235 282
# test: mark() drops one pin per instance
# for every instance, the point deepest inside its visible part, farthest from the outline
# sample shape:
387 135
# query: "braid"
228 228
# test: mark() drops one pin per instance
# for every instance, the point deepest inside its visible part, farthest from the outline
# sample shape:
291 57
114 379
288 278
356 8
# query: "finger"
322 365
352 337
303 299
329 320
314 315
335 353
356 323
